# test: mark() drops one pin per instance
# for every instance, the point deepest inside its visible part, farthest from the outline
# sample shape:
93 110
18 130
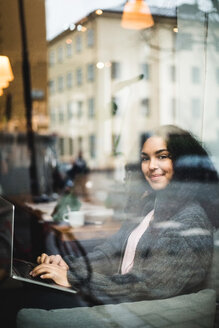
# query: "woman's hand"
52 271
52 259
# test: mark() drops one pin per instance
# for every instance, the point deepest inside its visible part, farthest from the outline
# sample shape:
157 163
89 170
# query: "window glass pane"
92 126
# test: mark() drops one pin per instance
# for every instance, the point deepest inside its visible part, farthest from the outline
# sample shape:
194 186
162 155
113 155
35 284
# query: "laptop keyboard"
22 269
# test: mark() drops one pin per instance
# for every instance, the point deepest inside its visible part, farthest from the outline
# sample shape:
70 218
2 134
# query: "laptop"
19 268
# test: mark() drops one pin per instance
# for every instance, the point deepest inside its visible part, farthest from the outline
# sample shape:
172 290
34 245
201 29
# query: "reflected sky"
61 13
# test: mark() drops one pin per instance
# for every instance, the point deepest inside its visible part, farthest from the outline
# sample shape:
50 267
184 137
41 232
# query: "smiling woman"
165 246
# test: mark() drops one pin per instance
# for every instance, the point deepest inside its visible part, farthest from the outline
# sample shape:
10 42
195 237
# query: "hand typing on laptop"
52 259
52 267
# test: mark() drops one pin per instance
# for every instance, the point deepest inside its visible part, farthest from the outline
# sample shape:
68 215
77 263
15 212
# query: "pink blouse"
128 259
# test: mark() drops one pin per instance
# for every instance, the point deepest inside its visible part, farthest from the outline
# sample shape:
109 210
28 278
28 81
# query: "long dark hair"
193 171
191 161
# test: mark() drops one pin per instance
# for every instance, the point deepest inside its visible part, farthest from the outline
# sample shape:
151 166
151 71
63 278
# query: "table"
88 231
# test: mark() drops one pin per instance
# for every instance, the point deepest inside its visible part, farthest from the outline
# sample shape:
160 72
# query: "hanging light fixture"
136 15
6 74
3 84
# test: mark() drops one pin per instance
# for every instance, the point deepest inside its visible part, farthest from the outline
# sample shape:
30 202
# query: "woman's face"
156 165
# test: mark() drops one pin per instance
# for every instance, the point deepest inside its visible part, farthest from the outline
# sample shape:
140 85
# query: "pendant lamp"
136 15
3 84
6 74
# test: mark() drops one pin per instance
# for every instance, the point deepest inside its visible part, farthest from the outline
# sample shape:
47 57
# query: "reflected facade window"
90 72
69 80
196 107
52 58
62 146
51 86
53 115
80 143
71 146
146 107
173 73
91 108
145 70
79 76
196 75
115 70
60 54
79 108
60 84
78 43
70 109
61 114
185 41
69 50
90 38
92 146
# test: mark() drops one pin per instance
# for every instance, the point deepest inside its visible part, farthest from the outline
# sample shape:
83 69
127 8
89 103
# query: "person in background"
165 246
78 174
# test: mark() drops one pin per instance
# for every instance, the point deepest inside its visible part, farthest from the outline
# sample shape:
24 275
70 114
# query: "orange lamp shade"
6 74
3 85
136 15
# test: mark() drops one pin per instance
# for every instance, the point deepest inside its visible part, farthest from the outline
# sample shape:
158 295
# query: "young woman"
164 248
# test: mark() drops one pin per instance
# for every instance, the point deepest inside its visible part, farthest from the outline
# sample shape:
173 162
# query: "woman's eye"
163 156
144 159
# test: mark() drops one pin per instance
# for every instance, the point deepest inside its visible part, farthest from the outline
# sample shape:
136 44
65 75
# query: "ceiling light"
99 12
136 15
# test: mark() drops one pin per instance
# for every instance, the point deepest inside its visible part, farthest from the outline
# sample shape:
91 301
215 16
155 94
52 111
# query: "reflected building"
108 85
198 73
